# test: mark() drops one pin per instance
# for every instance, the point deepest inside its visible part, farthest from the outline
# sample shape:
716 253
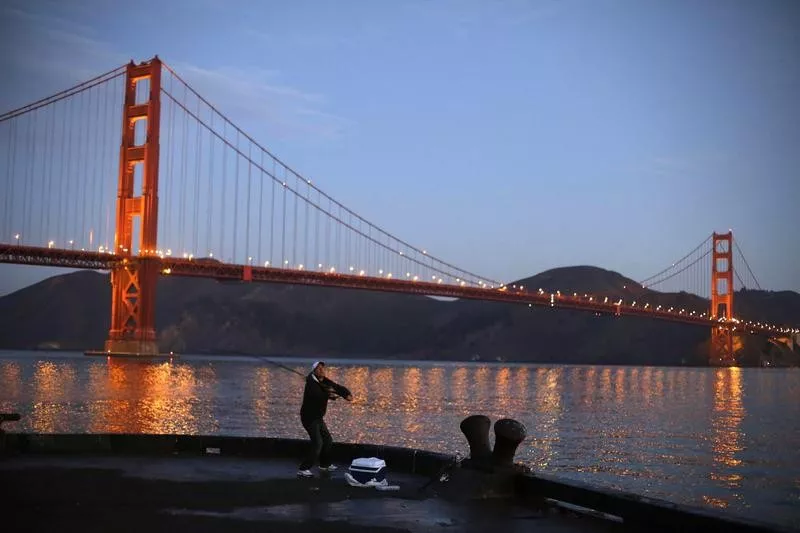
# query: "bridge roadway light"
50 244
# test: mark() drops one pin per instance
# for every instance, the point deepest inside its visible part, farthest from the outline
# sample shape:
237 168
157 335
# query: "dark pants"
321 443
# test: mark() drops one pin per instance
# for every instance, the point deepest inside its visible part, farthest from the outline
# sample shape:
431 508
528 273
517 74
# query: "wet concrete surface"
209 494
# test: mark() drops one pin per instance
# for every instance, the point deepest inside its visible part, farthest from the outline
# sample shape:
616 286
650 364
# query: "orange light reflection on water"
501 383
52 389
547 398
11 378
410 404
261 394
144 397
727 414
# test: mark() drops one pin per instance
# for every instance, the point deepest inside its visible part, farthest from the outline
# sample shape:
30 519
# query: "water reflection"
674 433
459 396
605 384
260 392
142 397
619 385
53 385
727 415
501 386
11 379
547 415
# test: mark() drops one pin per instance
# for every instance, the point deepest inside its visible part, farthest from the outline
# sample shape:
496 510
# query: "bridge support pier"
133 293
133 279
721 347
722 353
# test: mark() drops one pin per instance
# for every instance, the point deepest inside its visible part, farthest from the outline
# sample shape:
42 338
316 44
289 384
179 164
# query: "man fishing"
318 391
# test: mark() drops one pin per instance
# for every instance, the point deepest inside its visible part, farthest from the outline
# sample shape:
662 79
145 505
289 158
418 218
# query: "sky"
506 137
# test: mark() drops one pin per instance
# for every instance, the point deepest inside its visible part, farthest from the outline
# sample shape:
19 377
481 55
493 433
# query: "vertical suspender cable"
294 225
209 227
317 214
96 210
28 162
249 179
169 201
272 219
328 237
86 100
283 225
305 253
223 209
44 209
12 178
338 228
63 176
236 196
184 169
105 176
33 237
260 206
198 158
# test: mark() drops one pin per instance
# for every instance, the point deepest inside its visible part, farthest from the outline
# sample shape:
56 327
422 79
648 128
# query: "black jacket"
315 397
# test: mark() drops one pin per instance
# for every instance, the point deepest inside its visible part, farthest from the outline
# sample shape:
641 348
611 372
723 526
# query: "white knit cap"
316 364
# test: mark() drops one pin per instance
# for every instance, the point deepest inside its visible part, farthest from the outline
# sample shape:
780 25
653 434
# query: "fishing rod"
292 370
279 365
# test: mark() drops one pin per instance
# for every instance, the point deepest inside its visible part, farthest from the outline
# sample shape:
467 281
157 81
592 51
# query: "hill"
207 316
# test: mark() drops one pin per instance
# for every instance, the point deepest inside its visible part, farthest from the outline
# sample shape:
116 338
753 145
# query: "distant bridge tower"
722 299
133 280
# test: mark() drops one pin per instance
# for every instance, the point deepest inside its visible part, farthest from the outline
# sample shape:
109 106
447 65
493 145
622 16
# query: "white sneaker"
329 468
305 473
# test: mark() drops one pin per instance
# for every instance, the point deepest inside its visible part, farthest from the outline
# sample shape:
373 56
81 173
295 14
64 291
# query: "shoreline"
352 359
222 480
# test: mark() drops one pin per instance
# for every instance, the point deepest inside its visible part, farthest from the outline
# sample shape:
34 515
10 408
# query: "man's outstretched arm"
341 390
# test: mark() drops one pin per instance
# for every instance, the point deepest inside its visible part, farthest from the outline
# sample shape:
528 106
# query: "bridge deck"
38 256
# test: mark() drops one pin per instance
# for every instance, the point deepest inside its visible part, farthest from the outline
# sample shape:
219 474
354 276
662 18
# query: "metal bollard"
508 434
476 429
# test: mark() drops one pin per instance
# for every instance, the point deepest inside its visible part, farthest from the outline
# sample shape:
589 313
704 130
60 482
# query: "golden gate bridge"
197 196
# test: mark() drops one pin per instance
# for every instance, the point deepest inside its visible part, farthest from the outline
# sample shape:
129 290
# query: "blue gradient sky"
507 137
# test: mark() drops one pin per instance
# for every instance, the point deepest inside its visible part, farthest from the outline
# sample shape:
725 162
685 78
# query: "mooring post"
476 429
508 435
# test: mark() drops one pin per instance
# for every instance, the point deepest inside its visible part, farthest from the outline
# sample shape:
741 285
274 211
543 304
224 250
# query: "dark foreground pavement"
146 494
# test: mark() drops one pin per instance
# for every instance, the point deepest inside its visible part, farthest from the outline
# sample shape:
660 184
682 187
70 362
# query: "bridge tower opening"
722 299
133 278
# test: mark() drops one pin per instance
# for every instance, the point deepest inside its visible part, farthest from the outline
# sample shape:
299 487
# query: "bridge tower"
133 279
722 299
